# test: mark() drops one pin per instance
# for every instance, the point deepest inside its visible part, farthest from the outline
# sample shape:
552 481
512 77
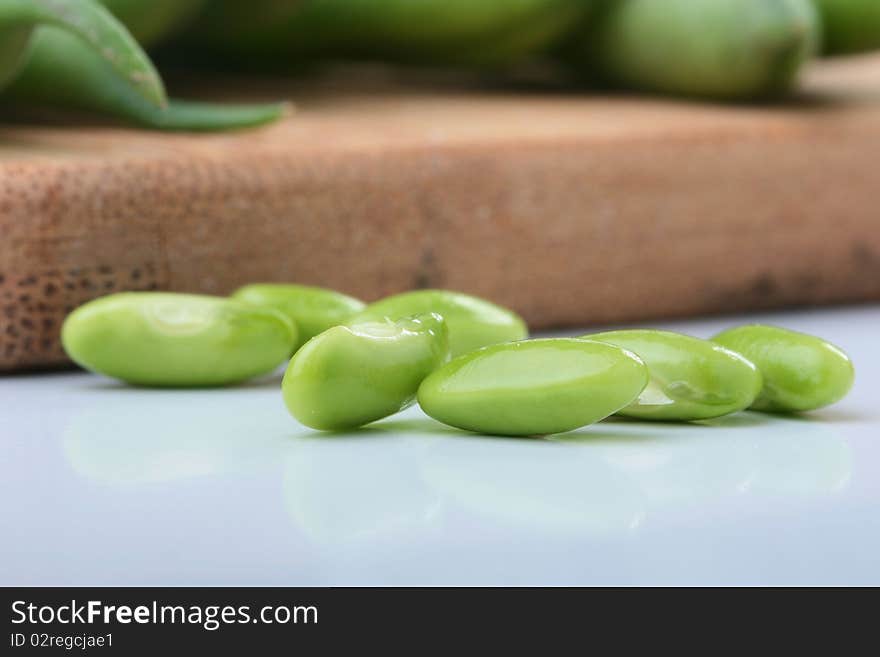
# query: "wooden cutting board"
572 209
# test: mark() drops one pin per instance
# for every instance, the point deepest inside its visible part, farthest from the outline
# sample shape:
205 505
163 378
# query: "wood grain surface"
573 209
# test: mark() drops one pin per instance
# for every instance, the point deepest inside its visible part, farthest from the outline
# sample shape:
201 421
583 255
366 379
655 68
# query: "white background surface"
101 484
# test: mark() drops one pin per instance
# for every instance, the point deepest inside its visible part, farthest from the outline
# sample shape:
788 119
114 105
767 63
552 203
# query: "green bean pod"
83 59
153 21
62 74
533 387
472 322
722 49
850 26
691 379
488 32
312 309
353 375
177 340
92 28
801 372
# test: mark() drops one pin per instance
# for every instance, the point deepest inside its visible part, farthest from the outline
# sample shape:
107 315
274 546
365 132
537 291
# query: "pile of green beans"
485 33
468 362
68 54
731 50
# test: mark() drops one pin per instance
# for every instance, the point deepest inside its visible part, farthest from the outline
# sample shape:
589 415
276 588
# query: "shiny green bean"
312 309
691 379
533 387
472 322
353 375
177 340
801 372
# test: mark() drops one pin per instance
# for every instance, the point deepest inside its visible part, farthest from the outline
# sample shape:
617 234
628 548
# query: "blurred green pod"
61 74
312 309
152 21
353 375
103 71
722 49
177 340
801 372
850 26
488 32
88 25
472 322
691 379
533 387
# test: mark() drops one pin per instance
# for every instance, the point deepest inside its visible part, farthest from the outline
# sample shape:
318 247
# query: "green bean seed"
177 340
727 49
691 379
312 309
472 322
352 375
533 387
851 26
801 372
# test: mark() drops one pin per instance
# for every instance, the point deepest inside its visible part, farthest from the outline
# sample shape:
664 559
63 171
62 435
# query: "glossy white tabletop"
101 484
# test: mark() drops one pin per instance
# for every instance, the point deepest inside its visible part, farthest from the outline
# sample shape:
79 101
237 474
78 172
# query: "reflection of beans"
801 372
691 379
355 506
162 339
533 387
728 49
567 488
